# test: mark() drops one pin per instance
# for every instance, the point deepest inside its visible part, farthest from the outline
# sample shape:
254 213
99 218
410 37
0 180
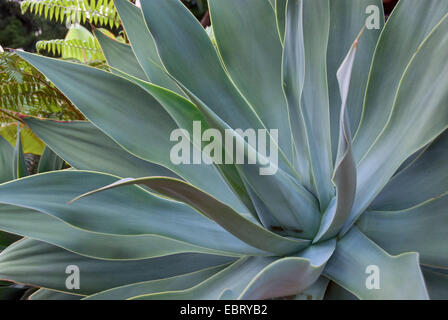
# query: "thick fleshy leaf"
293 79
428 168
287 202
437 284
423 228
6 160
347 17
85 147
128 211
47 228
291 275
189 56
260 278
46 294
19 165
411 22
44 265
145 127
251 51
280 8
225 284
314 104
49 161
120 55
289 205
177 283
249 232
143 44
344 176
399 277
419 115
186 114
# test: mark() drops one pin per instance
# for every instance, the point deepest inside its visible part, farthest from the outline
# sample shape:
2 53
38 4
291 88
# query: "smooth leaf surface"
189 56
428 169
293 76
47 228
6 160
181 282
347 18
252 55
422 228
314 99
411 22
43 265
143 44
85 147
400 276
260 278
249 232
128 211
120 55
344 176
104 97
419 115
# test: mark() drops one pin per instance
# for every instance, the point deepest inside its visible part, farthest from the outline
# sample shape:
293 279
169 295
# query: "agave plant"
345 215
13 165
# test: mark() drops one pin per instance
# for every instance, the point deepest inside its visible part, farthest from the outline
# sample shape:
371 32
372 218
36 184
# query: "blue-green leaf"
398 277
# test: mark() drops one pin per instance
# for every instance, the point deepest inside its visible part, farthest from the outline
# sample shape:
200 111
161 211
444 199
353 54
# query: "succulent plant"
344 215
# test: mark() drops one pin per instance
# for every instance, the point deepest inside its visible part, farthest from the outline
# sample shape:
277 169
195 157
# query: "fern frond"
24 90
83 50
101 13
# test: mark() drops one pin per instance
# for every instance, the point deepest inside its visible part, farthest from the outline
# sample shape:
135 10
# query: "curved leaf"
134 290
6 160
251 52
347 17
143 44
344 175
423 228
280 8
43 265
260 278
293 76
46 294
411 22
85 147
399 276
129 211
120 55
189 56
428 169
419 115
244 229
145 127
44 227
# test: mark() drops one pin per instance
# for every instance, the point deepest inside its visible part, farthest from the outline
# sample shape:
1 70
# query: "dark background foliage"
23 31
